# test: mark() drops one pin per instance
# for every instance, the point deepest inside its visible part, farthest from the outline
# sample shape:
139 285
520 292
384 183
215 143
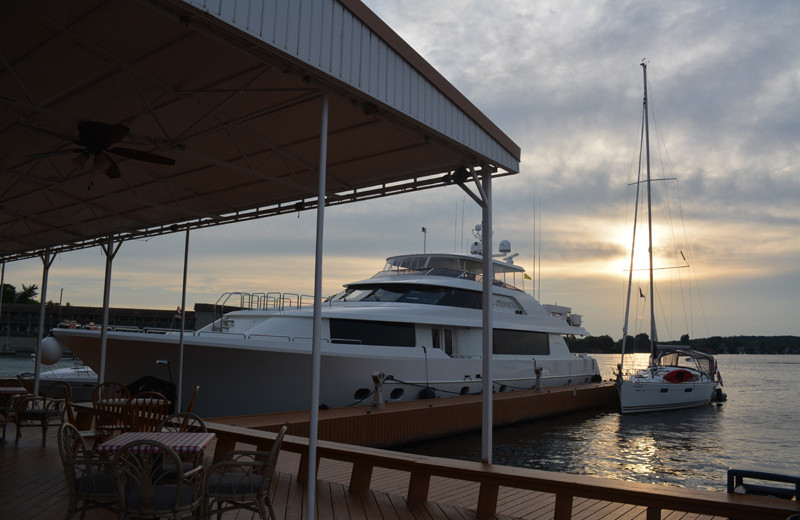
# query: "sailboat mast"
633 249
653 336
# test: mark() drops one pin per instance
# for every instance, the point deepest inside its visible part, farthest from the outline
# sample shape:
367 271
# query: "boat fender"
50 351
427 393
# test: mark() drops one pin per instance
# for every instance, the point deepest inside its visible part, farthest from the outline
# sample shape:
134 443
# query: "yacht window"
444 262
360 332
435 334
448 342
520 342
412 293
353 295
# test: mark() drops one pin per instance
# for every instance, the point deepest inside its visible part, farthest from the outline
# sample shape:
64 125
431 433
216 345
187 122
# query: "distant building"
19 323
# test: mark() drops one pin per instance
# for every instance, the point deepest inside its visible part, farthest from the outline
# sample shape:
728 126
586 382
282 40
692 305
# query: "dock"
361 483
410 421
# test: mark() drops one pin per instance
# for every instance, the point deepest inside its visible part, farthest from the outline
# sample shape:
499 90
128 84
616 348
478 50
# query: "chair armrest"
197 470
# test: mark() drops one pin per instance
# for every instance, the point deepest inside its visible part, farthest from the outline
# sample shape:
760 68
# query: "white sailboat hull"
654 396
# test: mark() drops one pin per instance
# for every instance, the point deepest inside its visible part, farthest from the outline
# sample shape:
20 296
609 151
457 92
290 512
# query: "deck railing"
491 477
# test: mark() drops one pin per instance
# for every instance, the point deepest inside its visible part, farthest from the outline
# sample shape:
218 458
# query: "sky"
563 80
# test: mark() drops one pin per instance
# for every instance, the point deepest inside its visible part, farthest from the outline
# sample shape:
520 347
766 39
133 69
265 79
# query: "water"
11 366
758 425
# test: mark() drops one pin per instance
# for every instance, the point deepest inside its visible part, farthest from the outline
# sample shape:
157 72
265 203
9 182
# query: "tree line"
27 294
712 345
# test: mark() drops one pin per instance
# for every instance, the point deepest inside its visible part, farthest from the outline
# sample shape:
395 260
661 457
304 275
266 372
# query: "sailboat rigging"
675 377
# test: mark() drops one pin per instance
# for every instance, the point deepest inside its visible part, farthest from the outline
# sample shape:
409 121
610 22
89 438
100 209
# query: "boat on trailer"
416 326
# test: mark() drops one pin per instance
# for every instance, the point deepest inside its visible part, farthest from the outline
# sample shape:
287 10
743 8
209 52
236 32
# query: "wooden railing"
491 477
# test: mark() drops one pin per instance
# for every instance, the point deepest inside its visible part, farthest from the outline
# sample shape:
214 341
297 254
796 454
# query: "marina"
125 121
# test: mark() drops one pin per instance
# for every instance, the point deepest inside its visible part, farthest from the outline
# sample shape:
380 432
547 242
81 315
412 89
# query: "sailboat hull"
653 396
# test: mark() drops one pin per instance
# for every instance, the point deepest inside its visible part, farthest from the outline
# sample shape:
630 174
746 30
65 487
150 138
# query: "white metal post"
488 301
47 261
2 292
110 252
183 323
316 340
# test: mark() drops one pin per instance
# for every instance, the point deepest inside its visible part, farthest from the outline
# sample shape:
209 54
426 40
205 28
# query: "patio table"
13 390
190 443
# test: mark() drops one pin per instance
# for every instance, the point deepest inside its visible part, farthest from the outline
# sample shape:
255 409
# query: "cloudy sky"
562 79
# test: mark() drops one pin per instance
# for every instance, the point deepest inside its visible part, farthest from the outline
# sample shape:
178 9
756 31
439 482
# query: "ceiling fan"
96 141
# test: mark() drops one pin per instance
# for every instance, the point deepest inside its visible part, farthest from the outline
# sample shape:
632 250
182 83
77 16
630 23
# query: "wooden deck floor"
32 486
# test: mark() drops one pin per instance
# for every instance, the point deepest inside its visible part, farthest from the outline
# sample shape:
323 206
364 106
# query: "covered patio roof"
134 118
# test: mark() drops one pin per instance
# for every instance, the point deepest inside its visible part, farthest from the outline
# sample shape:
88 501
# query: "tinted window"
372 333
520 342
410 293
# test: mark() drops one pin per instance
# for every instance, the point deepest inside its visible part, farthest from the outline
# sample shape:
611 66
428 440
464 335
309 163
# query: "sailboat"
675 377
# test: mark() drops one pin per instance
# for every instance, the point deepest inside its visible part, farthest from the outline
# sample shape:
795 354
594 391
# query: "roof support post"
183 322
2 292
110 251
47 261
316 339
488 301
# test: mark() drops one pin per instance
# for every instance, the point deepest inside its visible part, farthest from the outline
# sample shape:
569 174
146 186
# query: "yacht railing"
255 301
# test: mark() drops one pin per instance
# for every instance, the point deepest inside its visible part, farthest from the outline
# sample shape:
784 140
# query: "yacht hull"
239 376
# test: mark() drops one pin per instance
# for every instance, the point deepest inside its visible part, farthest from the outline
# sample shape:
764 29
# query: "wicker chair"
42 411
8 402
108 403
146 490
90 478
242 480
145 411
182 422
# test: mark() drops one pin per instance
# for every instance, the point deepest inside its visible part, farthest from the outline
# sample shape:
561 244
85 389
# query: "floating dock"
409 421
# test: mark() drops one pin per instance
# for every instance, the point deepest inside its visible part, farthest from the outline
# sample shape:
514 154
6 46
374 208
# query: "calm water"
759 424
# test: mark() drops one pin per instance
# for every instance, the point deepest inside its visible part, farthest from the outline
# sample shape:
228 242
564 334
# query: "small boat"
675 377
81 378
412 331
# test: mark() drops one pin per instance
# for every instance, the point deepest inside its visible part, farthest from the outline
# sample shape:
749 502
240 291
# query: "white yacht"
418 322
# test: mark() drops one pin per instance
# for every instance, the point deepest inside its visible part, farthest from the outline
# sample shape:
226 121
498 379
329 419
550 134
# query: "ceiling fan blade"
139 155
97 136
48 132
55 153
